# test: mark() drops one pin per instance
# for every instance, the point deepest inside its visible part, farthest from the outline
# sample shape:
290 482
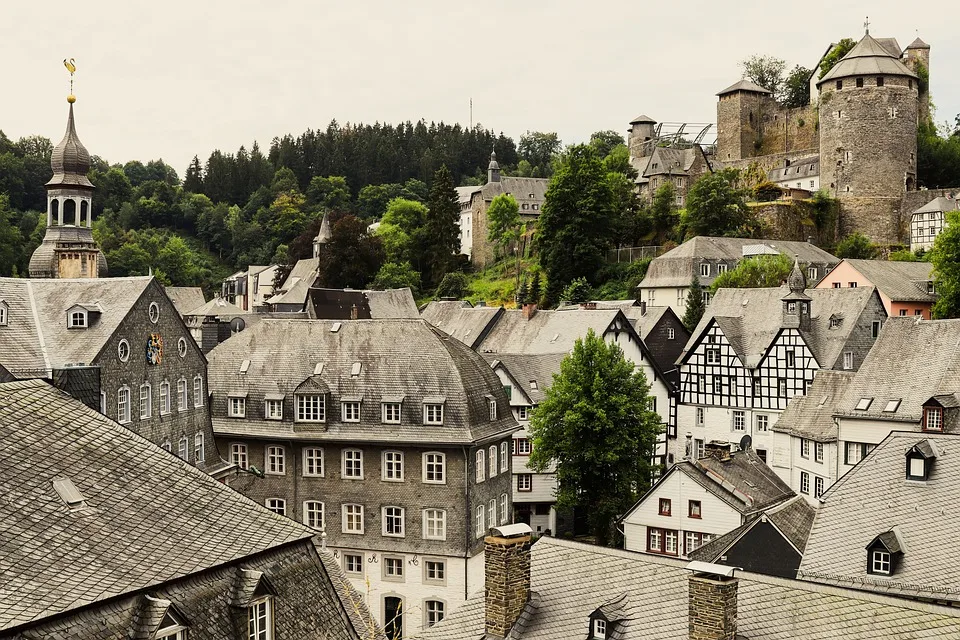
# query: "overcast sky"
175 78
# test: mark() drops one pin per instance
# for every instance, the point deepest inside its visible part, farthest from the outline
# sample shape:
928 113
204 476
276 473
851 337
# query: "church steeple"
493 170
796 304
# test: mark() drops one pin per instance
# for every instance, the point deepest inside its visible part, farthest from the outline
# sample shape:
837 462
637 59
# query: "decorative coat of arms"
155 349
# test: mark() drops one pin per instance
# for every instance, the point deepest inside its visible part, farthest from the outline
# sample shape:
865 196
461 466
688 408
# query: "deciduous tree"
503 221
945 257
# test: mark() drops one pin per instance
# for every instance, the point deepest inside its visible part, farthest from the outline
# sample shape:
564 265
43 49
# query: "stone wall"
785 130
712 609
799 220
506 580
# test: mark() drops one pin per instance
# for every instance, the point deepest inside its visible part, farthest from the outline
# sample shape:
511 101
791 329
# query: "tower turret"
640 136
493 169
796 304
740 110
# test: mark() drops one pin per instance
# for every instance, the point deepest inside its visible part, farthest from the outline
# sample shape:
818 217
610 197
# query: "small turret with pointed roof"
323 236
796 304
493 169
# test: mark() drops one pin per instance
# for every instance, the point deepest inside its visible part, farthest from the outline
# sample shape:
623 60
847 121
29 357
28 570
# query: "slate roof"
298 282
527 368
869 57
338 304
135 529
793 518
36 337
677 267
642 119
873 498
911 361
897 280
465 323
918 44
465 194
392 303
798 170
811 416
405 358
744 85
750 320
185 299
217 307
520 188
547 331
939 205
572 580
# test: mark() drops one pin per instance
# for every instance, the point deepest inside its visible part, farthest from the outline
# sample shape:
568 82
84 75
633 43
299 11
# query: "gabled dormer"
919 460
605 620
157 618
884 553
796 304
82 316
253 599
938 410
4 313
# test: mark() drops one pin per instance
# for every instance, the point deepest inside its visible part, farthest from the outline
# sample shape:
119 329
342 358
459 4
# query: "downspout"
466 523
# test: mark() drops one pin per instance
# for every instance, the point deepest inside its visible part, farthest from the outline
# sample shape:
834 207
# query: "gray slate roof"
677 267
751 319
744 85
217 307
811 415
869 57
460 320
911 361
873 498
36 337
185 299
939 205
546 331
527 368
295 288
136 528
520 188
798 170
573 580
406 359
897 280
338 303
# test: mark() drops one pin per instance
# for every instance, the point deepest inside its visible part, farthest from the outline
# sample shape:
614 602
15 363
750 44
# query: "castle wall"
770 161
785 130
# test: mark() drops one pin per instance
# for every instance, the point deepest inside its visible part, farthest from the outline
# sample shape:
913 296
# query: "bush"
394 275
767 191
576 292
453 285
856 246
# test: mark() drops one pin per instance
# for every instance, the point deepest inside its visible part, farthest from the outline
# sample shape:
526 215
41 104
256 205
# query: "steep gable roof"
217 307
939 205
529 368
897 280
460 320
185 299
811 416
744 85
548 331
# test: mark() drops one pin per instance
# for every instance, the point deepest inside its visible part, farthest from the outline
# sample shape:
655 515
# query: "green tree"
330 193
373 199
663 212
577 223
442 228
453 285
576 292
755 272
857 246
352 257
538 148
503 221
765 71
716 206
836 54
536 287
695 305
945 257
597 425
795 90
10 239
394 275
603 142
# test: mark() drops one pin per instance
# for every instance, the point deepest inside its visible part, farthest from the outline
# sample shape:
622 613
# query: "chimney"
209 334
643 308
589 306
529 310
717 450
507 576
353 312
712 598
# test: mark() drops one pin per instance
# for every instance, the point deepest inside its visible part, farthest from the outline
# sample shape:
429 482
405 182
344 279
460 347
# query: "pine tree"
523 293
193 179
695 305
536 288
442 227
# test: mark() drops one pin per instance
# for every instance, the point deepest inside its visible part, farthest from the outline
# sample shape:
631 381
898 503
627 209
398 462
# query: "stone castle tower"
740 111
642 131
869 104
68 249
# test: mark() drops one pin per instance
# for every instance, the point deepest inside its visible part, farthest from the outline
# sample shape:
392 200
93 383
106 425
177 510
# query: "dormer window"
884 553
81 316
599 629
880 562
919 460
4 312
932 419
260 619
433 411
172 627
492 403
77 319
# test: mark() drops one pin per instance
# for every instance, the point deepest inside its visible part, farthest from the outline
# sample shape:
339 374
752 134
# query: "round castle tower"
868 138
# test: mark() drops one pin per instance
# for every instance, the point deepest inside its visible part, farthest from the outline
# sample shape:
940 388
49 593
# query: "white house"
928 221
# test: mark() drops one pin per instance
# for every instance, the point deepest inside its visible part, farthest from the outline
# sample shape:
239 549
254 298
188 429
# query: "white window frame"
480 465
268 409
154 312
392 466
182 394
146 401
311 407
198 448
492 512
260 626
479 515
236 407
818 486
818 452
504 457
848 360
313 462
804 448
739 420
277 505
198 391
523 413
123 404
524 482
238 455
599 629
350 411
713 355
386 411
164 398
183 447
311 509
432 413
504 507
275 460
763 422
704 269
393 517
700 416
358 468
434 524
804 483
351 512
439 570
434 611
351 560
522 446
435 462
77 320
671 333
492 404
880 562
492 464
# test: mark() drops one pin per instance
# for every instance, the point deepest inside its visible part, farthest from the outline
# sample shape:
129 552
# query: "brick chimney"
529 310
589 306
507 576
717 450
712 602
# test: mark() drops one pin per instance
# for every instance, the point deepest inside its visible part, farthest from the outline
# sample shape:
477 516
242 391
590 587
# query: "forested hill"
241 208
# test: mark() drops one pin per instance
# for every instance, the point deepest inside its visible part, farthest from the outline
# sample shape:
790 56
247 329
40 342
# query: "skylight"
318 369
864 404
336 327
355 369
892 406
68 492
244 366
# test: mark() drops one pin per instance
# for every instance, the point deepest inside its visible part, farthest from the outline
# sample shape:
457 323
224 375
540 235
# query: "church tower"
68 249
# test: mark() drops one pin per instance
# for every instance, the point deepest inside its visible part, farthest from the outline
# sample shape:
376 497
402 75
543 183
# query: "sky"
176 79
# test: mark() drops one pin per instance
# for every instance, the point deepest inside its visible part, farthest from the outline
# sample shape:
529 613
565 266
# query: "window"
260 620
393 466
721 268
393 521
880 562
391 412
932 419
504 459
352 518
197 391
717 385
3 314
704 269
817 487
182 347
811 271
77 320
818 452
480 465
238 455
351 411
492 512
918 312
353 464
146 401
782 387
693 509
433 468
664 507
859 82
699 416
183 447
434 571
276 461
693 540
837 285
123 350
791 358
313 461
916 469
123 405
277 505
804 482
492 461
701 383
521 446
875 329
503 509
854 452
393 568
662 541
599 628
893 113
879 81
699 446
154 312
434 524
839 85
352 563
713 356
237 407
863 404
523 413
311 408
434 611
182 394
479 518
493 409
273 409
739 421
198 447
164 397
804 448
524 482
433 413
763 422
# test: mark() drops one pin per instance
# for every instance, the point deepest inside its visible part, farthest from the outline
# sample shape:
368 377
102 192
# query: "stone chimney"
712 600
529 310
717 450
643 308
507 576
354 314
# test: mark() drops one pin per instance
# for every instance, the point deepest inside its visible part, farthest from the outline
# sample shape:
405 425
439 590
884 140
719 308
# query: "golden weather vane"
71 66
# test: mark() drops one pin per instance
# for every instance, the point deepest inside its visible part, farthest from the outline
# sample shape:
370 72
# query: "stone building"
108 536
388 435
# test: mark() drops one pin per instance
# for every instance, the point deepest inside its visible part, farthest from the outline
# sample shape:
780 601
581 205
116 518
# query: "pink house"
906 288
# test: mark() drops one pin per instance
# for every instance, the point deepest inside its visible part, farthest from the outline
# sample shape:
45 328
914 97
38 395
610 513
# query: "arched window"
70 212
55 211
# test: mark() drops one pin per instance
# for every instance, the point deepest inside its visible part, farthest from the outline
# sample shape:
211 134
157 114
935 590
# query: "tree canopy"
597 425
856 245
836 54
503 221
717 206
755 272
945 257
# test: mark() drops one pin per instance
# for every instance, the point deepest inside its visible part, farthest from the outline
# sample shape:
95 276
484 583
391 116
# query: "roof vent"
69 493
244 367
336 327
355 369
318 369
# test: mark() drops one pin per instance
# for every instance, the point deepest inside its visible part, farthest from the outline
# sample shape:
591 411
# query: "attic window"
599 630
77 319
69 493
835 321
336 327
919 460
884 553
533 385
355 369
244 366
318 369
4 310
932 419
892 406
864 404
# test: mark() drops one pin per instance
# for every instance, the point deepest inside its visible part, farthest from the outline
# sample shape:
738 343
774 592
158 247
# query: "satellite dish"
237 325
745 443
